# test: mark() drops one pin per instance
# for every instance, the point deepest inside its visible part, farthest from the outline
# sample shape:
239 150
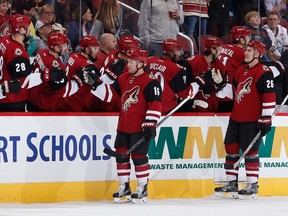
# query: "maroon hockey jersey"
140 99
172 78
15 64
45 96
232 57
204 102
254 94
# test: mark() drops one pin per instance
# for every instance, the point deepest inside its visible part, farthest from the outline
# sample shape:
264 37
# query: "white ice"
212 206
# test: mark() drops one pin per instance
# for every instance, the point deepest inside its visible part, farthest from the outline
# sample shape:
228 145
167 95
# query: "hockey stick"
236 164
112 153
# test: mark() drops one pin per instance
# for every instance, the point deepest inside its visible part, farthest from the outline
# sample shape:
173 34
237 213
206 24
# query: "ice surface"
212 206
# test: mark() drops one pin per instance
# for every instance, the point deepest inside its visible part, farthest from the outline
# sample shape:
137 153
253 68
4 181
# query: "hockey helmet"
138 54
88 41
171 44
127 42
212 41
56 38
257 45
18 21
239 31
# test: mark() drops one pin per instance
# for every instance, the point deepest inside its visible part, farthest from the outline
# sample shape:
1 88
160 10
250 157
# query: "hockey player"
254 103
90 46
232 56
114 64
15 63
140 96
172 76
201 65
44 96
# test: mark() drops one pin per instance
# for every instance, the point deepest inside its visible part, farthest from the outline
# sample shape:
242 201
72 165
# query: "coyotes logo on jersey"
243 88
130 97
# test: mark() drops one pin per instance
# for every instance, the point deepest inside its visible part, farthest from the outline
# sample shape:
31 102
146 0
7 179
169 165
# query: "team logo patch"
243 88
18 51
130 97
55 64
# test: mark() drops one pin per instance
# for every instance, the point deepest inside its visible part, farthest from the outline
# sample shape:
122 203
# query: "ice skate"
230 190
123 194
249 192
140 196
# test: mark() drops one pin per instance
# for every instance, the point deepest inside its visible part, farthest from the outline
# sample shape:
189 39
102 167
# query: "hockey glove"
91 79
204 80
264 124
149 129
52 74
219 80
12 87
61 80
116 68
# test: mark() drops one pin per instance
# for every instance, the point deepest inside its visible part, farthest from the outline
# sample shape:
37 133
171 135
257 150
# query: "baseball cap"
40 23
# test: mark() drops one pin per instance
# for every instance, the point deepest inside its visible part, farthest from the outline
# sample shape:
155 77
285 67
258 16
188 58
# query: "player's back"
232 57
165 71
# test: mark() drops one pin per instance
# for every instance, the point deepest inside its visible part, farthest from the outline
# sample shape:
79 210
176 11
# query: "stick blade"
112 153
228 166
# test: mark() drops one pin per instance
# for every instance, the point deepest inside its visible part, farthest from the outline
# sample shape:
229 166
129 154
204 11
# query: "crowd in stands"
92 30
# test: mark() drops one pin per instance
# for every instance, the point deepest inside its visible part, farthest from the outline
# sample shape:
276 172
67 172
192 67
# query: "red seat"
186 44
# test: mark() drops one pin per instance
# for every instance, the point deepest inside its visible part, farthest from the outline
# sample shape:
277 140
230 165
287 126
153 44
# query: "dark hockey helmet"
239 31
257 45
88 41
18 21
212 42
127 42
56 38
138 54
171 44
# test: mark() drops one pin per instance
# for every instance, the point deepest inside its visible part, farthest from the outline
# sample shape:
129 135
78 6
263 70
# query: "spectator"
14 55
277 34
43 29
276 5
252 19
194 11
74 27
108 43
243 7
108 19
4 6
158 21
48 13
